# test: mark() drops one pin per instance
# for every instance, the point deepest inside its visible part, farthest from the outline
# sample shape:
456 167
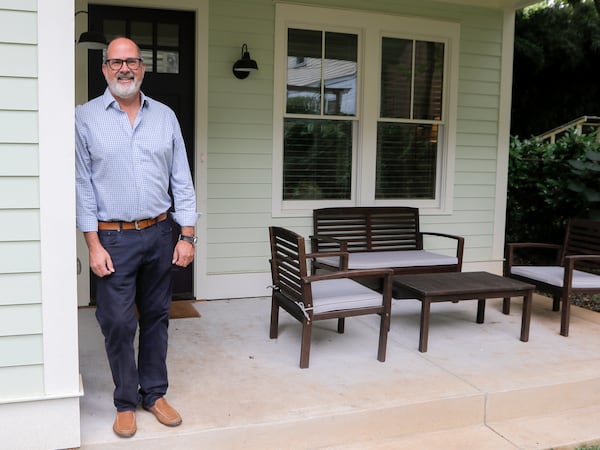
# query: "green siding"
18 160
21 381
21 357
20 288
240 129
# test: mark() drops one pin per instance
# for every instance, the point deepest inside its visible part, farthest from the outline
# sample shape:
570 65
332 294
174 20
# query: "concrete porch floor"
478 386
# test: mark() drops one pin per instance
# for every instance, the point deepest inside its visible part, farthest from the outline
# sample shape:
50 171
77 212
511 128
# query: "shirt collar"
108 99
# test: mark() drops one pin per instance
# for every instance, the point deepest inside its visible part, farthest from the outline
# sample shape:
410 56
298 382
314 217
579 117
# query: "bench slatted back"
369 228
583 238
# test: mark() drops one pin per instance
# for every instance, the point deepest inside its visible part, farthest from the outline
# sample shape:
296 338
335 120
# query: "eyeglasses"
116 64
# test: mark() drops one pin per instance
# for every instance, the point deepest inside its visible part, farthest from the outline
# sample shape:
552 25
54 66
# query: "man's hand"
100 261
183 254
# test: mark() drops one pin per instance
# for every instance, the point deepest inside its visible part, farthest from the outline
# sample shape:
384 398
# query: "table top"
462 284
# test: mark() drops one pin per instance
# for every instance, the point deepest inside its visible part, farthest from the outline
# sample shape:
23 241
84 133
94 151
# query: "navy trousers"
143 278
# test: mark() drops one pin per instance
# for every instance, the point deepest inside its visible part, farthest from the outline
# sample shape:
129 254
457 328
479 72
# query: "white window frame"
371 28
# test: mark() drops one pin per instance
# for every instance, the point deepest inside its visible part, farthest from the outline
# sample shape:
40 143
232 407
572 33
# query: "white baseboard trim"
239 285
56 424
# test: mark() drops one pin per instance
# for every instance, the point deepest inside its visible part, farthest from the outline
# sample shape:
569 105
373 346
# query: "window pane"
429 78
406 161
317 159
304 72
341 65
396 77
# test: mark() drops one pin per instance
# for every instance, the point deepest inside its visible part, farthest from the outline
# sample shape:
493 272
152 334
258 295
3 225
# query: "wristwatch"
191 239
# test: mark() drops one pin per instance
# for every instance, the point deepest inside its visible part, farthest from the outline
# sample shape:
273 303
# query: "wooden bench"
576 269
379 237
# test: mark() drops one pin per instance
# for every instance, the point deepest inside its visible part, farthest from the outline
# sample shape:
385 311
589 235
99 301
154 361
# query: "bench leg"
480 310
506 305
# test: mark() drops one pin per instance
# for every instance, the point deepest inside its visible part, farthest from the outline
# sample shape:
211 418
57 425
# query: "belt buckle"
137 225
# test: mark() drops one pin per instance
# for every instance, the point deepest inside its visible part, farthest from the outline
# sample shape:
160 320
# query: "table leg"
506 305
424 335
526 317
480 310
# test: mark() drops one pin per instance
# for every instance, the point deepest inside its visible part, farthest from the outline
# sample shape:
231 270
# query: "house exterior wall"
39 380
240 129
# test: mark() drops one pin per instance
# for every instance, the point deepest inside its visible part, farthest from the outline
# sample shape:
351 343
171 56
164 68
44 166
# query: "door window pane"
168 35
148 58
406 161
141 33
114 28
167 61
317 159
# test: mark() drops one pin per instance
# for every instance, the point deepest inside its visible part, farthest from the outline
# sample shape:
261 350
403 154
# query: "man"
129 153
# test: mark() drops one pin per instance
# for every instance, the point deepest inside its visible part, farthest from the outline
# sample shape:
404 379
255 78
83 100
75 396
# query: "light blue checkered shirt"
124 173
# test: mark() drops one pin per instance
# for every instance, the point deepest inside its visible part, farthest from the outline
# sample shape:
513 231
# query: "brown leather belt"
137 225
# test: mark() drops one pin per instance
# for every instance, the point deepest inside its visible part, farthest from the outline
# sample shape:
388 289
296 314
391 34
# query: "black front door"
167 42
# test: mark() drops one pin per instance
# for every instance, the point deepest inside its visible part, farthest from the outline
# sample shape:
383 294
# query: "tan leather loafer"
165 413
124 425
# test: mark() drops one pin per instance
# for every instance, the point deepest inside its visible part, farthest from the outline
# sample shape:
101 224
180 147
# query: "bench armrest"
460 244
342 254
314 242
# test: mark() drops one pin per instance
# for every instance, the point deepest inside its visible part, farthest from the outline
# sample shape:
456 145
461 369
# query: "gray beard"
123 91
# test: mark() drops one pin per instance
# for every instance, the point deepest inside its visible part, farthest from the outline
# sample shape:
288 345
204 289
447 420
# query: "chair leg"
274 318
506 305
305 344
341 324
555 302
565 316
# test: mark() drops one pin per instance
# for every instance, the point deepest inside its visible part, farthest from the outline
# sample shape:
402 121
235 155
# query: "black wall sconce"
92 40
242 67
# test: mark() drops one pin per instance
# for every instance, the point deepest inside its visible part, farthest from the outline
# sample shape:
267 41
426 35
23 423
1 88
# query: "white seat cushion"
333 295
402 258
554 275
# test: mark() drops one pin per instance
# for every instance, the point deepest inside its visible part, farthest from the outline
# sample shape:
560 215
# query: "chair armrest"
512 246
358 273
570 260
516 245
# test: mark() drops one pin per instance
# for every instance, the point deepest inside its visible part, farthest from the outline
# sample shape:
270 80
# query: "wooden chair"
576 269
334 295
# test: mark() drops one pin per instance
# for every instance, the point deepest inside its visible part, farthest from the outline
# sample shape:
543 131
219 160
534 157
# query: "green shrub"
550 183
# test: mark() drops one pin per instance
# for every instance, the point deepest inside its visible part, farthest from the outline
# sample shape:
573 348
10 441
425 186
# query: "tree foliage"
556 62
